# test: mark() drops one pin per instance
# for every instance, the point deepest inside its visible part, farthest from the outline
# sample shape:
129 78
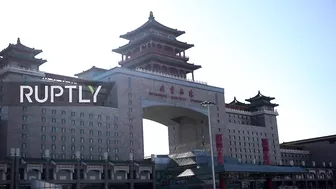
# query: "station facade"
154 81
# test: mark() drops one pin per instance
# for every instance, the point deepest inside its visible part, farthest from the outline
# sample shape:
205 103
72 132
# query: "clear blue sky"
286 49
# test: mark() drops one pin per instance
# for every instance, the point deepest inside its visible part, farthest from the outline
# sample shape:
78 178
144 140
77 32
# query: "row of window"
294 155
63 138
241 156
248 132
63 112
73 122
73 156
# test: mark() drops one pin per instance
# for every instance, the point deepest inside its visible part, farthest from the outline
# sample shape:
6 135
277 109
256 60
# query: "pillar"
13 172
39 174
192 75
222 182
269 183
183 54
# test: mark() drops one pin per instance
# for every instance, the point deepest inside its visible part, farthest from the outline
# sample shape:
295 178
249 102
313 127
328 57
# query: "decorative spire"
151 16
235 99
259 93
18 41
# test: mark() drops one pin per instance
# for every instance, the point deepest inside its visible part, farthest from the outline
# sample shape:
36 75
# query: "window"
81 123
90 124
63 138
24 145
43 137
63 112
73 113
91 140
99 116
24 127
53 129
53 111
130 110
91 132
53 120
44 110
72 139
73 131
24 108
130 120
115 134
24 118
82 114
63 121
99 124
116 150
73 122
116 142
53 138
63 130
115 126
91 116
81 131
99 141
115 118
24 136
82 140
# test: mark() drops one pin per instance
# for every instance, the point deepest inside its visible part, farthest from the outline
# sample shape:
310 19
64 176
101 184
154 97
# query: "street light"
208 104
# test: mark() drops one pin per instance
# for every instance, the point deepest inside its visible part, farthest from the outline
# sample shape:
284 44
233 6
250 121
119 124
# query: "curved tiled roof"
152 23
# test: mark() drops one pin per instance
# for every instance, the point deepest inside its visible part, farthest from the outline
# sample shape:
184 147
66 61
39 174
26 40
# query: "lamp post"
208 104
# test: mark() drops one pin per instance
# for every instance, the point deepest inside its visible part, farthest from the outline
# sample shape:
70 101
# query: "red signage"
266 151
219 146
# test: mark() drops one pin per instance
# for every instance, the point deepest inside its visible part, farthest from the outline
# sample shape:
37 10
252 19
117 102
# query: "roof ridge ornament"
18 40
151 16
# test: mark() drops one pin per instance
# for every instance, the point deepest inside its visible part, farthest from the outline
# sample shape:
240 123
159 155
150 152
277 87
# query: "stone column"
78 168
106 169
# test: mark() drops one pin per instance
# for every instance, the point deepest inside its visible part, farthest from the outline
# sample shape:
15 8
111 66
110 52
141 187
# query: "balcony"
170 76
156 51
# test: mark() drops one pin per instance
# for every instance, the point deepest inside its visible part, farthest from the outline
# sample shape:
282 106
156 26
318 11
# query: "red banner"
266 151
219 146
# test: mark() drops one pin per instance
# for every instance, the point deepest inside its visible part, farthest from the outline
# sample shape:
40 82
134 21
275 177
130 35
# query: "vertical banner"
265 147
219 146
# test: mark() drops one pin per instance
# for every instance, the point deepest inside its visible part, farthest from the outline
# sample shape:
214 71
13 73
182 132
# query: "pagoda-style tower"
21 59
261 102
154 47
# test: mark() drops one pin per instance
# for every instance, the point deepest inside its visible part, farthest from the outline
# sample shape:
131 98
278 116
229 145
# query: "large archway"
187 127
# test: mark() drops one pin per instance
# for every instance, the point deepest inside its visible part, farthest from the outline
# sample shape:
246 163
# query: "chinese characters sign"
177 93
